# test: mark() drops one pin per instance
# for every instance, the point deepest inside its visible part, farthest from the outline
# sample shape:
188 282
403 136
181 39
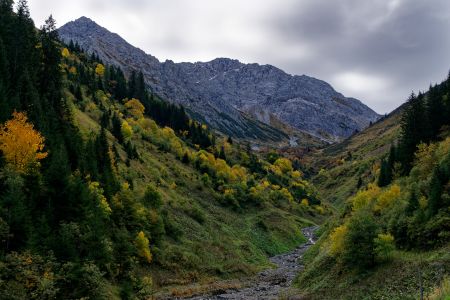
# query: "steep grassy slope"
121 195
339 167
205 238
390 240
402 271
211 239
398 279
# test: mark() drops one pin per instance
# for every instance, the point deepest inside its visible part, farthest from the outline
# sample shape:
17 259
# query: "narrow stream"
269 284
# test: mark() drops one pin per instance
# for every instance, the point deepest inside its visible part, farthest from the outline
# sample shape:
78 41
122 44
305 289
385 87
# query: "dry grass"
206 288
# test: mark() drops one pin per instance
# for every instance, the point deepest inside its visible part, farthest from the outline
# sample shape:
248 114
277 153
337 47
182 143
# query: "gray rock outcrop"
238 99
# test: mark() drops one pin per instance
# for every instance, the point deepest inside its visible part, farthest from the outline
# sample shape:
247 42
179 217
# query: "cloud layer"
377 51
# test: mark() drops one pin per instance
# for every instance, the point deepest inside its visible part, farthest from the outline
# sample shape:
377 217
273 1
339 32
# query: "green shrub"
152 197
384 245
359 249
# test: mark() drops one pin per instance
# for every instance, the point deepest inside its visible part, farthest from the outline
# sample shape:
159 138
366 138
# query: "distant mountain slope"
221 92
352 159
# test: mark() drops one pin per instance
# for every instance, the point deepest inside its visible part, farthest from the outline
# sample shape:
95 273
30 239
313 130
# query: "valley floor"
268 284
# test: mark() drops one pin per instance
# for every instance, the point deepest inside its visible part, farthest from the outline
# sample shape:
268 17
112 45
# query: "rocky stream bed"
271 283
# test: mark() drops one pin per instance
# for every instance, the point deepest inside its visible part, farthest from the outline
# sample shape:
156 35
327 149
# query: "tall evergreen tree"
414 130
50 79
132 85
385 177
436 111
5 109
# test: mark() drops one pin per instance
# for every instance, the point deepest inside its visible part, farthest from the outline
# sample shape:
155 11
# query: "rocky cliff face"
238 99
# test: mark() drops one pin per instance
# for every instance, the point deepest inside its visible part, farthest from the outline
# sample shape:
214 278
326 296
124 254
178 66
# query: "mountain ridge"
220 91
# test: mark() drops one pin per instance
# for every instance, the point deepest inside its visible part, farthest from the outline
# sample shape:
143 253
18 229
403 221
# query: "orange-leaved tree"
22 146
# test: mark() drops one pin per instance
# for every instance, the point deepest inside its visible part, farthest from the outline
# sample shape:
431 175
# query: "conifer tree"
5 109
435 201
414 130
413 202
436 111
385 174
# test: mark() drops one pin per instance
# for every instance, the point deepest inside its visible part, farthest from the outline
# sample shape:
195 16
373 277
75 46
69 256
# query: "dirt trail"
269 284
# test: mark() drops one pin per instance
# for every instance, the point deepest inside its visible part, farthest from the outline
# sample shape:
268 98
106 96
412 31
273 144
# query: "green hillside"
341 169
108 192
390 186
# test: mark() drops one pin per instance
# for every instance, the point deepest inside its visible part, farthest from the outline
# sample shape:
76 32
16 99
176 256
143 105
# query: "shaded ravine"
269 284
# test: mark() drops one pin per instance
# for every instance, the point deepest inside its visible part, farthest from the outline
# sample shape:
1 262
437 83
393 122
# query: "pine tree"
117 128
105 164
222 154
141 92
414 130
120 91
57 175
132 85
360 183
436 189
185 158
413 202
385 177
392 158
13 202
6 6
50 78
78 94
5 109
436 111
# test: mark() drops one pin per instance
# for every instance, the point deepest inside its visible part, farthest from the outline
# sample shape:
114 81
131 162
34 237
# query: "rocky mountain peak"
225 92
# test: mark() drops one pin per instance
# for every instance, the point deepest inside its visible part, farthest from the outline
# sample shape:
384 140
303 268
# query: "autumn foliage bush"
21 145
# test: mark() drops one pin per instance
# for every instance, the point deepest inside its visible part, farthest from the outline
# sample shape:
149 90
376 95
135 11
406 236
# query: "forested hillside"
108 192
391 237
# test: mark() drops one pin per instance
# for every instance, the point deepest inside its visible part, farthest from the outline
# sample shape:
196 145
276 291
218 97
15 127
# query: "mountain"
109 203
229 95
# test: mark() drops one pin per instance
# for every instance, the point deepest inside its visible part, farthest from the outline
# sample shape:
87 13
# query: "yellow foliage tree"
365 197
143 247
287 195
276 170
127 131
386 198
177 147
168 133
148 124
97 192
337 238
284 164
296 175
100 70
135 108
22 146
425 160
65 53
239 173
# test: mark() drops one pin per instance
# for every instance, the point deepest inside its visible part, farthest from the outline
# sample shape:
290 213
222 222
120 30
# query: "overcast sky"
377 51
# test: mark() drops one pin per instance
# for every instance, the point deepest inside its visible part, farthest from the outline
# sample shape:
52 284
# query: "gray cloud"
377 51
389 47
